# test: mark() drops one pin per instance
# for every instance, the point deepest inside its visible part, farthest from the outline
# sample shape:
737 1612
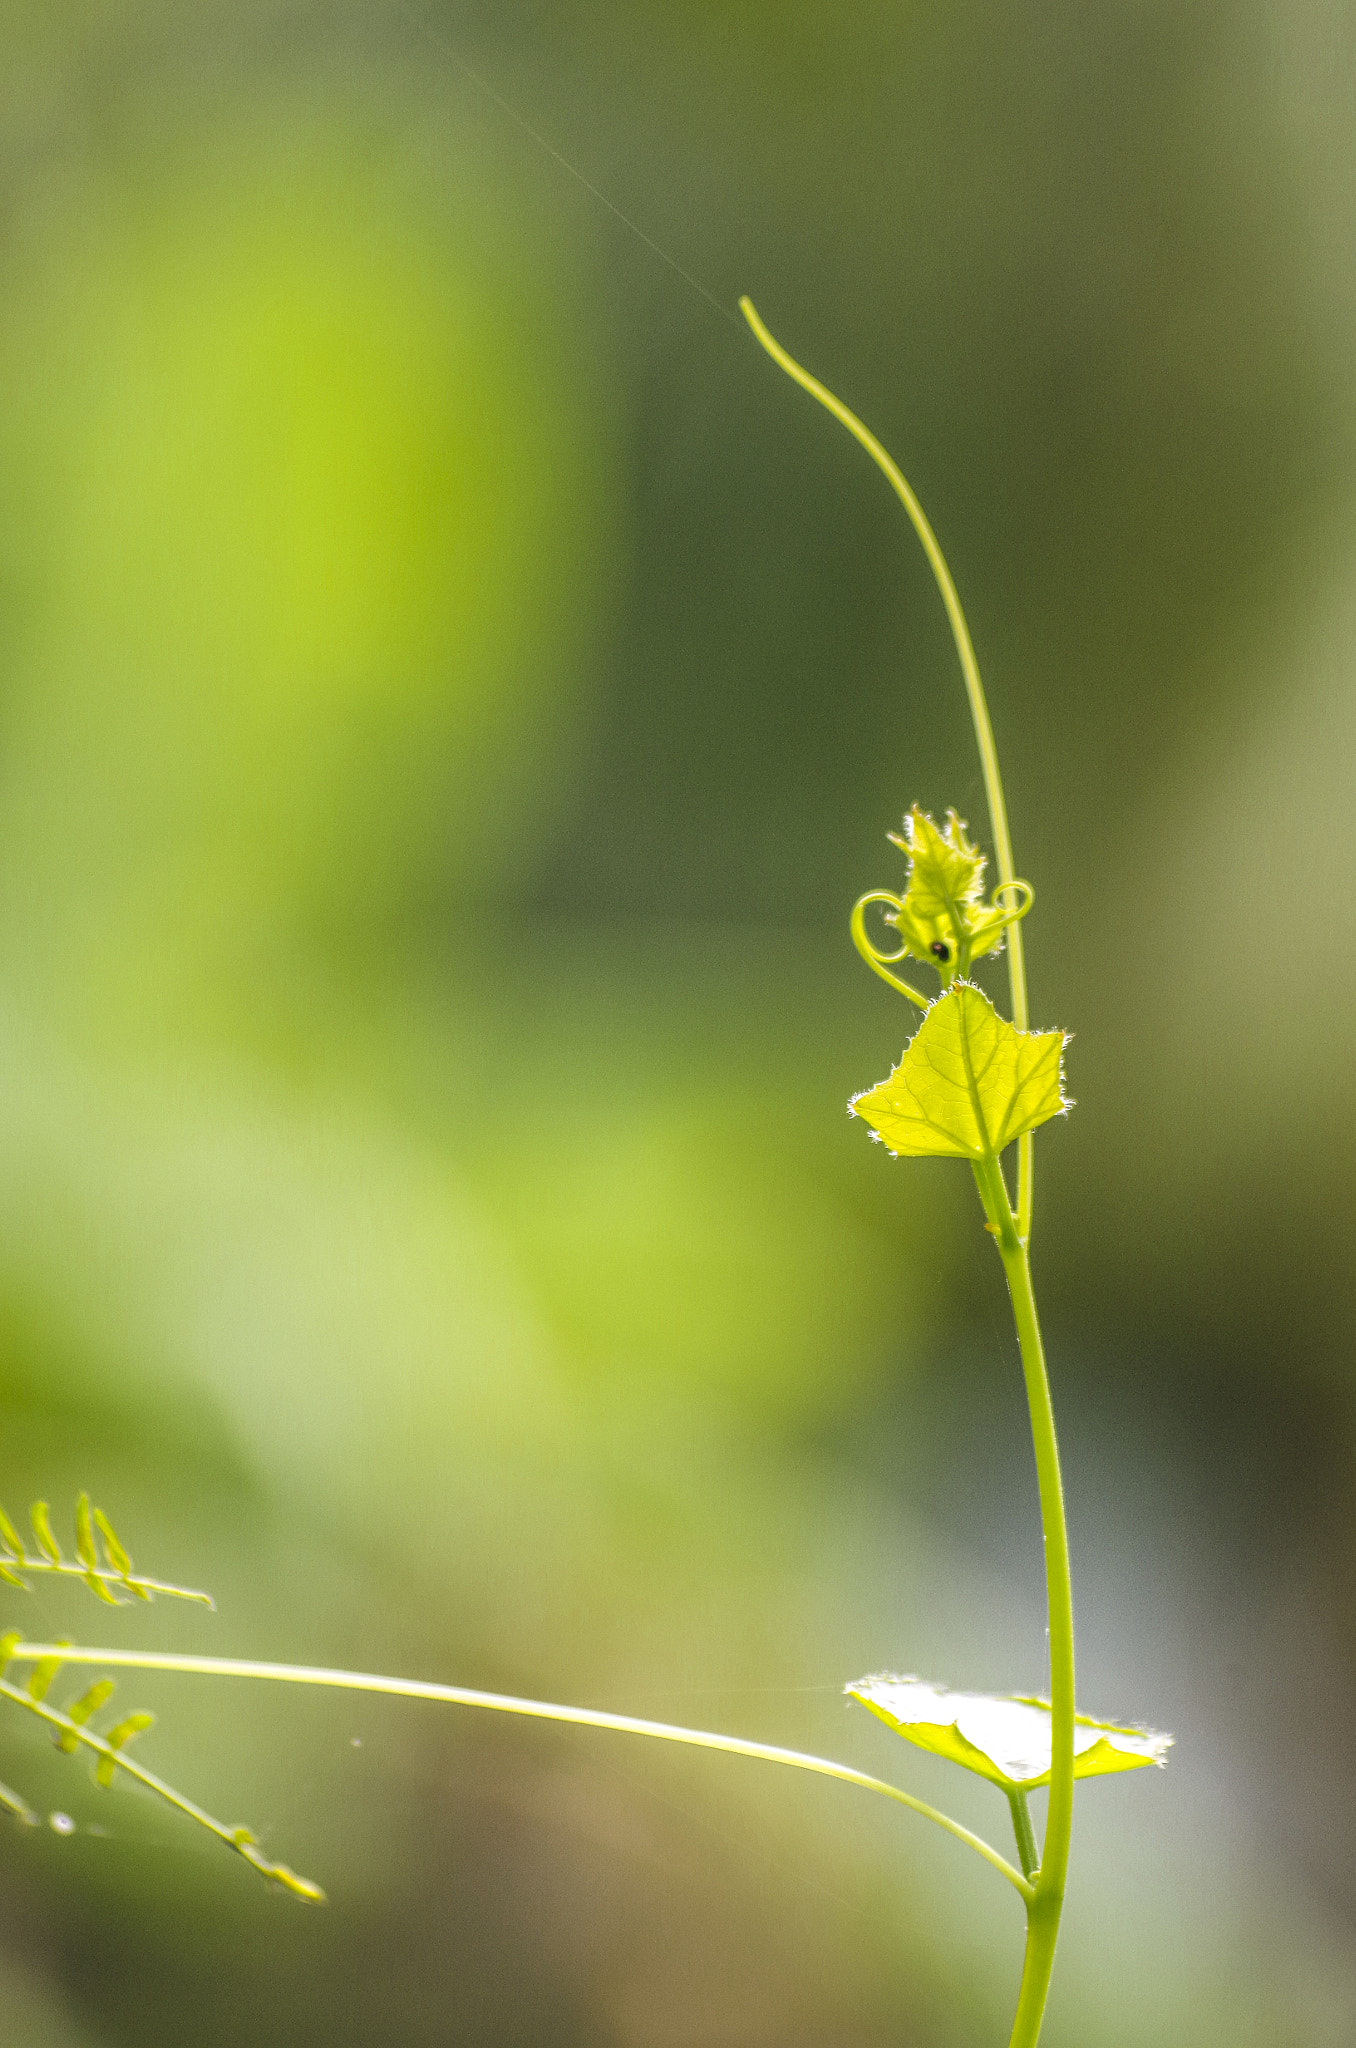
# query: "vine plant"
971 1084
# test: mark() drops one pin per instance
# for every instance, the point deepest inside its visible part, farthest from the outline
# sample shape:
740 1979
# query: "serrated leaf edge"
988 1767
1066 1102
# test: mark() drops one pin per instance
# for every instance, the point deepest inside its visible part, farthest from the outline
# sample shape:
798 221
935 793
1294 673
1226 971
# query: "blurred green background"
451 691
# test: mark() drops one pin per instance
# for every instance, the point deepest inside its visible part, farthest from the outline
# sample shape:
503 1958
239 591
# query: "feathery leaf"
300 1887
41 1676
42 1528
71 1732
87 1552
117 1557
118 1739
89 1702
84 1534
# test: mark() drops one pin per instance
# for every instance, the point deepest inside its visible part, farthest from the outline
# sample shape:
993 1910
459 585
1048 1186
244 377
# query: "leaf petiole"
503 1703
1027 1852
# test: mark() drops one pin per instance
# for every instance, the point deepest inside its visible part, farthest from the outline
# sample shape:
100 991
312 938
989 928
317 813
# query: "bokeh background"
451 691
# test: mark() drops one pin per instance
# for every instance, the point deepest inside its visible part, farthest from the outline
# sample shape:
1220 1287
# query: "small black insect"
940 950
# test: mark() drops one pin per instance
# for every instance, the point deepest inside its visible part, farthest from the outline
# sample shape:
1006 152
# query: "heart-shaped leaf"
968 1084
1004 1739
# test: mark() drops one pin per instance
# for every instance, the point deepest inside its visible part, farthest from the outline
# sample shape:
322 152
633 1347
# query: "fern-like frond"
72 1731
101 1560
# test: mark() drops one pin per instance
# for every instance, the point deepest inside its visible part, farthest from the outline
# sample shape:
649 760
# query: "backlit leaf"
117 1556
42 1529
11 1551
1004 1739
968 1084
89 1703
118 1739
84 1534
87 1552
942 919
41 1676
946 872
135 1724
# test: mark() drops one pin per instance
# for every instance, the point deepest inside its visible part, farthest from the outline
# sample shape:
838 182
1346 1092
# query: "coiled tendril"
1021 893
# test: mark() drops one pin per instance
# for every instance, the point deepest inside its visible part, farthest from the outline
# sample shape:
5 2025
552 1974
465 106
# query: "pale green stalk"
1012 1233
1045 1907
974 689
500 1703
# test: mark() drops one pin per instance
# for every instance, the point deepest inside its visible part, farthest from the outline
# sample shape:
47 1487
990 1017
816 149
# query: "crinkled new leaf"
968 1084
942 906
1003 1738
945 868
40 1516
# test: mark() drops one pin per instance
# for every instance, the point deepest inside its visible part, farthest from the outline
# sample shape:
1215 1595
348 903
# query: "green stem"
1047 1902
1027 1852
974 688
1012 1232
504 1703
